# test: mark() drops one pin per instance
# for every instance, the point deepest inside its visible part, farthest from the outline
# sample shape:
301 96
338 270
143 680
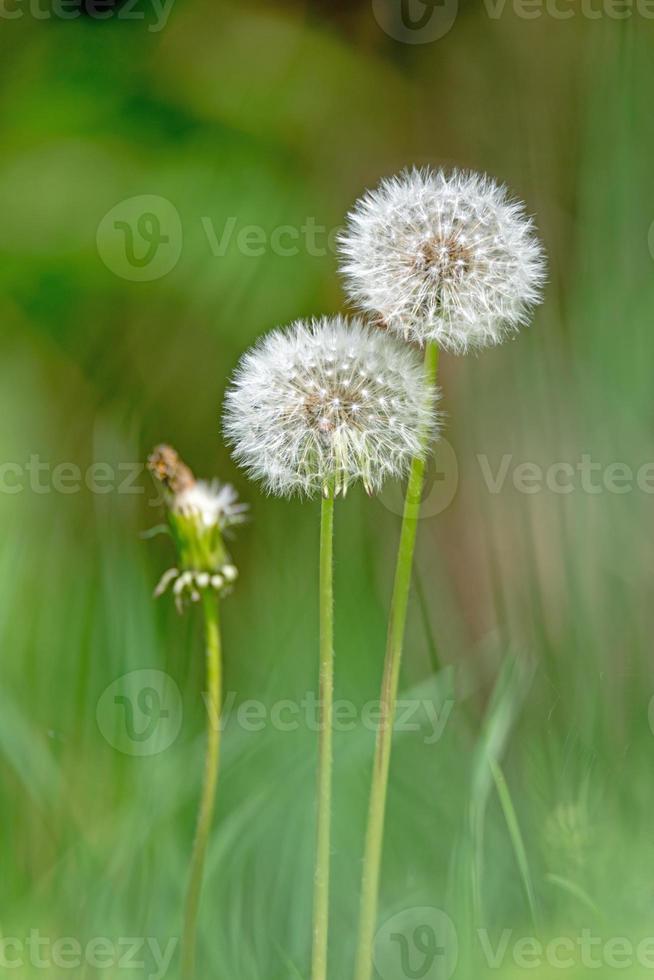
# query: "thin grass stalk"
395 642
323 845
212 756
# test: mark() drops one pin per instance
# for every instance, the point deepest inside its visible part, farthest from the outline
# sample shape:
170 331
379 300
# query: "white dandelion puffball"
326 402
441 257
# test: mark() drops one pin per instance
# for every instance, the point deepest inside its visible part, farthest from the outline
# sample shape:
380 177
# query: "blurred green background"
531 628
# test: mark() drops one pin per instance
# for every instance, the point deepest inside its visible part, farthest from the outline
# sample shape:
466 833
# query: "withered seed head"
166 466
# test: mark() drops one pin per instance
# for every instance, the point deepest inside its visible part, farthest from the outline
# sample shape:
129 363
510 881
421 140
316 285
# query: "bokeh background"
527 809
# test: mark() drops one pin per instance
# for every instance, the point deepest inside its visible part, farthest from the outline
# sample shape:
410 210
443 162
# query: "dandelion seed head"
199 513
215 504
327 401
445 257
212 503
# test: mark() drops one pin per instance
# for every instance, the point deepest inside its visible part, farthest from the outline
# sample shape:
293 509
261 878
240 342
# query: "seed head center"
446 259
328 408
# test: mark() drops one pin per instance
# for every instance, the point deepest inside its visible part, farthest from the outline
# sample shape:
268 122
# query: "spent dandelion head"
200 513
327 402
444 257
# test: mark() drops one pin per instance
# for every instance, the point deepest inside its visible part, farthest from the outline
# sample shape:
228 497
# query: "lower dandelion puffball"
326 402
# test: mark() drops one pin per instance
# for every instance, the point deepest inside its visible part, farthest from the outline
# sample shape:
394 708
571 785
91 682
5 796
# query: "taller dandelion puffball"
326 402
449 258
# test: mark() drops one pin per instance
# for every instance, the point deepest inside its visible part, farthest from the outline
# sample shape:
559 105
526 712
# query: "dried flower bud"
166 466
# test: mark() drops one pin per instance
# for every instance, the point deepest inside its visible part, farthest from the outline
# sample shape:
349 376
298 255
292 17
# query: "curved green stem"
214 698
395 641
323 846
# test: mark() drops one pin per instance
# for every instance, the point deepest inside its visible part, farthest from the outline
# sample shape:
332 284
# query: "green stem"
323 847
214 698
395 640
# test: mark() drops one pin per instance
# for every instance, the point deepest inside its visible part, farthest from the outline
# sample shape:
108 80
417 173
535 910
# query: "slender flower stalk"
395 640
199 514
449 261
312 409
210 606
323 846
